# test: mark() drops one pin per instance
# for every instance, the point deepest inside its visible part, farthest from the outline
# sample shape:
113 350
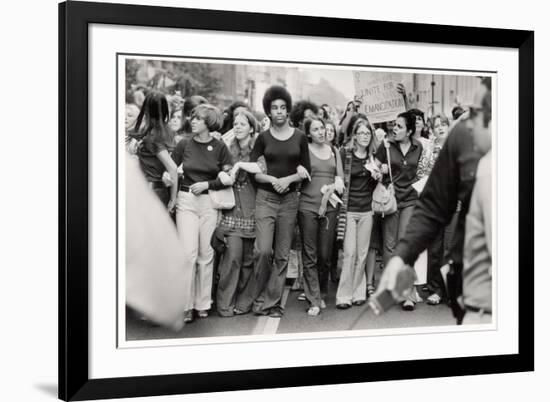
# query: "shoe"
202 313
343 306
262 312
370 290
236 311
323 304
314 311
434 299
408 305
188 317
359 302
302 297
276 312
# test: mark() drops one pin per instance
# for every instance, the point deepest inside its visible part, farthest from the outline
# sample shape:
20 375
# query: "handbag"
383 198
222 199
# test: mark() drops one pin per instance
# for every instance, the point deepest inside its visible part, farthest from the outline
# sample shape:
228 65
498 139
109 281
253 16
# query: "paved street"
295 320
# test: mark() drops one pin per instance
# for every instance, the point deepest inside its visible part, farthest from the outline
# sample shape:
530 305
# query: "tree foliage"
169 76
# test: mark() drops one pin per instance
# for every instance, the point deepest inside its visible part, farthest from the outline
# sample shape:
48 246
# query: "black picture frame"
74 19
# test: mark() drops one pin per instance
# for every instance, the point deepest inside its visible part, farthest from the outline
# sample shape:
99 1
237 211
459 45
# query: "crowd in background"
302 177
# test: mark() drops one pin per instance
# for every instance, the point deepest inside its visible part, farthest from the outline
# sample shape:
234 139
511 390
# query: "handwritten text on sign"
378 93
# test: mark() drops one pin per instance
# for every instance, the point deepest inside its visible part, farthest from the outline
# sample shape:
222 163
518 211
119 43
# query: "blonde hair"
243 155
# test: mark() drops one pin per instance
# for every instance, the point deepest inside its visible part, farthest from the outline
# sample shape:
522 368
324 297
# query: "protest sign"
378 93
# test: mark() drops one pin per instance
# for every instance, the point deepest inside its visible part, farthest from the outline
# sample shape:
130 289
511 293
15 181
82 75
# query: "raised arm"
403 92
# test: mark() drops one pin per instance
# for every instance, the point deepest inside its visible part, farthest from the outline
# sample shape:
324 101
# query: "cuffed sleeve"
216 184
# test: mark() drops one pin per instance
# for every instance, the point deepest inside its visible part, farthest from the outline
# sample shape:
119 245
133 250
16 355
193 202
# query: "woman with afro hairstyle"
286 153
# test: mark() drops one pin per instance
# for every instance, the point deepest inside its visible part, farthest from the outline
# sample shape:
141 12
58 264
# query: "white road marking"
269 325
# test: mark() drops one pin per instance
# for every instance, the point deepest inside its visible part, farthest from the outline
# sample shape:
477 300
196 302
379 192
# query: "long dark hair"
155 111
307 126
425 131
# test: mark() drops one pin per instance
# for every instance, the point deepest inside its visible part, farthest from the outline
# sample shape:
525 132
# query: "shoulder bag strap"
387 146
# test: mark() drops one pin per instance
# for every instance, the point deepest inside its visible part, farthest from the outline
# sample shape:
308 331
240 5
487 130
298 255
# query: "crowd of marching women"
245 187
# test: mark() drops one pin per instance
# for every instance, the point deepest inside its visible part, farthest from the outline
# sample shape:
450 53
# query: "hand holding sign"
401 89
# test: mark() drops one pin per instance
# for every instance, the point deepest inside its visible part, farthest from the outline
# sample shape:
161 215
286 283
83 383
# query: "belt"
187 189
477 310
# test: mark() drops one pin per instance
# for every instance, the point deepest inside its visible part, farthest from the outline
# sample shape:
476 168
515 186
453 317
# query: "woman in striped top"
360 184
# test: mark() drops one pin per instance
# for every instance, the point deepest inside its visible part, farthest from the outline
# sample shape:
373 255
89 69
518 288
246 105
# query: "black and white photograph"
253 200
282 200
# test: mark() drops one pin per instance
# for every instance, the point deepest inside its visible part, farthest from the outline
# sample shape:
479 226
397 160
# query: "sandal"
188 316
314 311
302 297
370 290
202 313
434 299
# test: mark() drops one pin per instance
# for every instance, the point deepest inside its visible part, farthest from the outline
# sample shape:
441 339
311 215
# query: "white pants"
196 222
353 281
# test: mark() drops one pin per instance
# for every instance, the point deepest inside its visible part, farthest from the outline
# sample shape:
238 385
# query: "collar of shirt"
414 144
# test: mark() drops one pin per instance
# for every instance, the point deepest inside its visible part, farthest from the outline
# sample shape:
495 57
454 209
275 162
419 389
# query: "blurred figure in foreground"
154 274
477 274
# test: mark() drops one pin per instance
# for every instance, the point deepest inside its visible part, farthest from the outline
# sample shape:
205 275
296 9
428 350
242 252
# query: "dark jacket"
449 186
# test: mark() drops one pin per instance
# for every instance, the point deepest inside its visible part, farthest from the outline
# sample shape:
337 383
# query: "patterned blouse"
430 152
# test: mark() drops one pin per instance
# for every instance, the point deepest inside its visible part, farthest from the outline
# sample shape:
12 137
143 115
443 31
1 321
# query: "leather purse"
222 199
383 198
